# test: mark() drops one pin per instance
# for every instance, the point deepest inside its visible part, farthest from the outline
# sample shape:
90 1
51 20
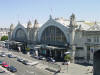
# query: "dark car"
49 59
20 60
25 62
12 69
36 57
11 56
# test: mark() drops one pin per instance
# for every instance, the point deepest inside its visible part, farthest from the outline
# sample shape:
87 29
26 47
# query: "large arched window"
20 35
53 35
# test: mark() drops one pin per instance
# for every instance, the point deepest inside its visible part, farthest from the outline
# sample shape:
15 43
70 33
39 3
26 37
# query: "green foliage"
27 49
3 38
67 57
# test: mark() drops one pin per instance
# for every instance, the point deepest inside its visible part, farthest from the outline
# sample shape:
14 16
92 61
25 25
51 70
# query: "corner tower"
35 30
10 37
29 27
72 28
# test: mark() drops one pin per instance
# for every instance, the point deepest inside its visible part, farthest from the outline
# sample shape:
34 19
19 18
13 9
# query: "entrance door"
47 53
58 55
88 53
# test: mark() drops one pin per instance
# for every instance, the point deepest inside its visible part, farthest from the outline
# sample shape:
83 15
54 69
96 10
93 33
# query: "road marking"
29 71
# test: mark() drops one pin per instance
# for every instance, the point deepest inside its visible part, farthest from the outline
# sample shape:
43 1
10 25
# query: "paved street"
73 69
24 69
19 54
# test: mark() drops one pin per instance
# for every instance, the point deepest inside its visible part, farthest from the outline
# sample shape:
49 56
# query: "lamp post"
68 62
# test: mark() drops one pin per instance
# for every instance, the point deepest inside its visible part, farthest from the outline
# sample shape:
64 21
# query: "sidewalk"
75 69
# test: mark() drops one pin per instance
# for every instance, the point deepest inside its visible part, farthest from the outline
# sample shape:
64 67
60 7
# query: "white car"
2 55
32 63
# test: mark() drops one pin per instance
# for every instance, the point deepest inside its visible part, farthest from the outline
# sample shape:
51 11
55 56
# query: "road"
23 69
73 69
20 54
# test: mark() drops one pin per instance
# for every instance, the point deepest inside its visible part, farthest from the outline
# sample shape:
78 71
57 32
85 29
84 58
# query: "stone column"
50 53
61 54
85 53
55 53
91 55
72 44
73 53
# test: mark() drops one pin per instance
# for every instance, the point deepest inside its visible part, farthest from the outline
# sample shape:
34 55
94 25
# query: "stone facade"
82 37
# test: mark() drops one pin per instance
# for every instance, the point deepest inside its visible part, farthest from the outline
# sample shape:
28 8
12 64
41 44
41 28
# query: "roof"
84 24
95 27
63 21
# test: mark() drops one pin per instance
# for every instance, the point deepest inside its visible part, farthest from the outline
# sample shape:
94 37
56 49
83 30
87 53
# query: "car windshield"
25 61
12 67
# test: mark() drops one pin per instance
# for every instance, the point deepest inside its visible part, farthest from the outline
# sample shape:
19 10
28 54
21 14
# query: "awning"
67 53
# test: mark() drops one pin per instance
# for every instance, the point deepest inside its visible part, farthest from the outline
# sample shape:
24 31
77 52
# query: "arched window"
53 35
20 35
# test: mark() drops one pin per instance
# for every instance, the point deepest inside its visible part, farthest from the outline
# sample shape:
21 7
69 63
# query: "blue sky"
12 11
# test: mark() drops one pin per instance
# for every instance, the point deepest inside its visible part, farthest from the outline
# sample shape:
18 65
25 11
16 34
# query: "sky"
12 11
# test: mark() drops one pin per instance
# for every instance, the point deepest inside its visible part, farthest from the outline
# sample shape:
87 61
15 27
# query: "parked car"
12 69
4 64
11 56
2 71
25 62
41 58
2 54
19 59
49 59
36 57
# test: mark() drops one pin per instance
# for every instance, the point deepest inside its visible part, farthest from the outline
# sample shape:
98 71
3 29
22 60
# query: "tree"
67 57
27 49
3 38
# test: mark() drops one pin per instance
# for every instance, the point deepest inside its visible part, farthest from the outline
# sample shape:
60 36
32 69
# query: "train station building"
60 35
